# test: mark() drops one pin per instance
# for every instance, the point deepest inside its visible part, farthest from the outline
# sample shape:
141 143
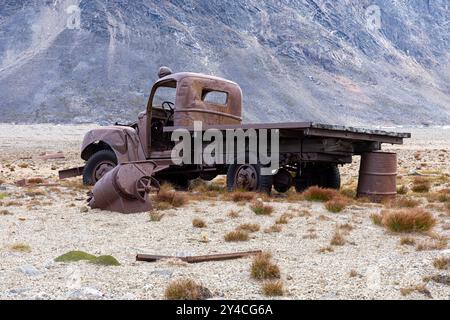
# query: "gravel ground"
53 223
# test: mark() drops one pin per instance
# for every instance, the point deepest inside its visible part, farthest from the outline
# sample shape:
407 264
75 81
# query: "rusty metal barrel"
125 188
378 176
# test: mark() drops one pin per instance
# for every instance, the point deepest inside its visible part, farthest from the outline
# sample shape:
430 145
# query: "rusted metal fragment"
125 189
70 173
197 259
378 176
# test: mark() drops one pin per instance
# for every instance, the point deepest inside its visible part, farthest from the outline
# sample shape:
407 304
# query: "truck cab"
176 100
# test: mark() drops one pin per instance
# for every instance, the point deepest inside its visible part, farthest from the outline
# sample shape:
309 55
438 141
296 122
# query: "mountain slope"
325 61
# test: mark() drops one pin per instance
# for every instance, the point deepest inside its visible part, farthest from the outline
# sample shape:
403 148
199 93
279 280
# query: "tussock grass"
20 247
259 208
441 263
186 289
249 227
421 185
156 216
284 218
336 205
404 202
319 194
263 268
233 214
402 189
407 220
236 235
408 241
337 239
170 197
273 288
420 288
198 223
239 196
273 229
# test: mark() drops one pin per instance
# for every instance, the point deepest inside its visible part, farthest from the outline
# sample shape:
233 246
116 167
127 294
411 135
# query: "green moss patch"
72 256
106 261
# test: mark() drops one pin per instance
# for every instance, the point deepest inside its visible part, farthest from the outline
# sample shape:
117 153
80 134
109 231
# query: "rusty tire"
248 177
98 165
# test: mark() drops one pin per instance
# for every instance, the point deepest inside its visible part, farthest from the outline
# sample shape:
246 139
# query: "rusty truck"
309 153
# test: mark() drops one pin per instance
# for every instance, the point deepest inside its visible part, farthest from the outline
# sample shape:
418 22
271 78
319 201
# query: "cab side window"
215 97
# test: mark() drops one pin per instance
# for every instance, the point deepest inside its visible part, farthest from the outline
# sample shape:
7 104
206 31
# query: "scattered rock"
29 270
16 291
84 209
85 293
164 273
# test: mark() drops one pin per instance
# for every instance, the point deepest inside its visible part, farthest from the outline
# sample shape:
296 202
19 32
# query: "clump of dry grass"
421 185
273 229
346 227
238 196
336 205
402 189
5 213
349 193
441 263
408 241
23 165
353 273
186 289
263 268
273 288
438 278
338 238
259 208
437 242
284 218
236 235
20 247
156 216
171 197
249 227
319 194
407 220
420 288
404 202
35 180
198 223
35 192
326 249
233 214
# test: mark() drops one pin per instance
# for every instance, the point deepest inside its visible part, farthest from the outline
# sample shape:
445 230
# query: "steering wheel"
170 106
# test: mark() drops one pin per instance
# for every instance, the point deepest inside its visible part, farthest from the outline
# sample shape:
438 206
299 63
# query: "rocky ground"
37 224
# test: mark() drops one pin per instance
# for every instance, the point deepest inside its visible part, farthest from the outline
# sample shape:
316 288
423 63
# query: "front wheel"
98 165
248 177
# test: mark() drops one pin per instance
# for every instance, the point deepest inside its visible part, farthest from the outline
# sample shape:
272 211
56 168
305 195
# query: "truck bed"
313 129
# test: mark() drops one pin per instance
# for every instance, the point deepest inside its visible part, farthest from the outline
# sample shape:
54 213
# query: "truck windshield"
163 94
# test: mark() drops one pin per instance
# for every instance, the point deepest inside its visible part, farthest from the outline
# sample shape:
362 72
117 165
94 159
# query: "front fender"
124 141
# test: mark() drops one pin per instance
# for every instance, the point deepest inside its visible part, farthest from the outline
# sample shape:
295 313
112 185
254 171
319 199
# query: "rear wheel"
248 177
98 165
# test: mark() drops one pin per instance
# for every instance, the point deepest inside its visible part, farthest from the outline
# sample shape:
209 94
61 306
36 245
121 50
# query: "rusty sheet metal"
70 173
197 259
125 189
124 141
378 176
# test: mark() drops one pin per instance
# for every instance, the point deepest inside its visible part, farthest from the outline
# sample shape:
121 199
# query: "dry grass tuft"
407 241
5 213
407 220
402 189
421 185
233 214
337 239
404 202
346 227
239 196
156 216
319 194
441 263
273 288
198 223
20 247
349 193
420 288
336 205
186 289
249 227
284 218
171 197
263 268
273 229
36 180
259 208
437 243
326 249
353 273
236 235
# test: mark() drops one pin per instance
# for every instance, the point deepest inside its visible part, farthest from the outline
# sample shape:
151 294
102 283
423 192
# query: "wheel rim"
145 185
102 168
246 178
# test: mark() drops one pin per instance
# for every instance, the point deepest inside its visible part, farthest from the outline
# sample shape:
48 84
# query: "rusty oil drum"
378 176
